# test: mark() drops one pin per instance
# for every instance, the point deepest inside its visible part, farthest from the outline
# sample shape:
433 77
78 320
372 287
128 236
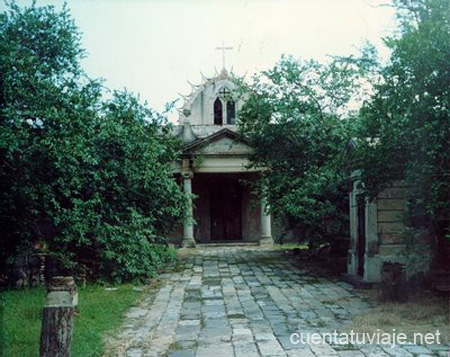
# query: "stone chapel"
214 168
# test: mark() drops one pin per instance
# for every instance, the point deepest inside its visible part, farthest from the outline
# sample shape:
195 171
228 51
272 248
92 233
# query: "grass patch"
423 314
290 246
329 302
212 281
193 296
236 316
176 346
347 347
99 311
183 346
312 281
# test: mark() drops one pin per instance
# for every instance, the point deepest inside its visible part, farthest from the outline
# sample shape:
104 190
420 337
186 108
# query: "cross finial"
224 48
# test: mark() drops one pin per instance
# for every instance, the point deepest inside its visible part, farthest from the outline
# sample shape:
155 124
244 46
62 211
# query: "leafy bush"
85 177
295 119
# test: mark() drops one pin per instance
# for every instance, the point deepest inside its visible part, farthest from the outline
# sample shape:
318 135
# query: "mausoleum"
214 167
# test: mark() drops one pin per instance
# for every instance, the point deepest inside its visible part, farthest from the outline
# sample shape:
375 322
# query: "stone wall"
384 233
385 241
391 205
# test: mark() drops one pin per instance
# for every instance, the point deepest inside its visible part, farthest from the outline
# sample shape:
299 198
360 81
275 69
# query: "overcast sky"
153 47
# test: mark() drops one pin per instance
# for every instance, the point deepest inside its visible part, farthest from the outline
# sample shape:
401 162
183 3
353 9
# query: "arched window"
231 114
218 115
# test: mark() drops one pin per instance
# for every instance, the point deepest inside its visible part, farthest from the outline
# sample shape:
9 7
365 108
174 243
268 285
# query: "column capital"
187 174
186 169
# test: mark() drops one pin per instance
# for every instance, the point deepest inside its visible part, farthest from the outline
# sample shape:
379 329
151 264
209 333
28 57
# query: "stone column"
372 261
188 228
352 257
266 225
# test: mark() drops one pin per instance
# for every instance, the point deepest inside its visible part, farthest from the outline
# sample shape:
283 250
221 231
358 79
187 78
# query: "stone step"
228 243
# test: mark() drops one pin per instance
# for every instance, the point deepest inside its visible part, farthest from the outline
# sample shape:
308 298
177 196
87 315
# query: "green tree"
86 177
295 119
404 131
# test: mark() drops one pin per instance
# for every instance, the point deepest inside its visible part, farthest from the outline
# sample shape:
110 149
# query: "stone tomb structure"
377 231
214 168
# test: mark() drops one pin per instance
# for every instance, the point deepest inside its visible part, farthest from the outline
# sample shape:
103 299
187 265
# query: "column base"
352 262
266 240
188 243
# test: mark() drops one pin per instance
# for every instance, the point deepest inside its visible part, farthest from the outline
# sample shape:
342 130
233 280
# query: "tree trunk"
57 319
56 334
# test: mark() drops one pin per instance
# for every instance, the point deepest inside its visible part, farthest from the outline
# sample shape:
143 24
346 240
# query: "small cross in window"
224 92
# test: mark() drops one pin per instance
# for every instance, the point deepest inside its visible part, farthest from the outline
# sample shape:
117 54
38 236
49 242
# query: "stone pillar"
266 225
372 261
188 228
352 257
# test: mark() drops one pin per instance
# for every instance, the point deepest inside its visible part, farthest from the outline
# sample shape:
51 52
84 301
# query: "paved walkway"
245 302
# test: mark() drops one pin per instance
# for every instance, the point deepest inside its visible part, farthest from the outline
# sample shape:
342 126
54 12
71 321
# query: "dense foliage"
404 132
86 178
294 118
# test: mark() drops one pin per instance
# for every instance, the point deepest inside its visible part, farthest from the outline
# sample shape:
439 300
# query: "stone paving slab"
245 301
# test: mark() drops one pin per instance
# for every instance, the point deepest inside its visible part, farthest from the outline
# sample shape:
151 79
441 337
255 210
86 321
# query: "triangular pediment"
224 142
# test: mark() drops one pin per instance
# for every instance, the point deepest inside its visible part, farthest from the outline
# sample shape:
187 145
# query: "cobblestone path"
245 302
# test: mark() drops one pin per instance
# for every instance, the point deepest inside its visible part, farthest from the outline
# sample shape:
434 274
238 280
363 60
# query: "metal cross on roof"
224 48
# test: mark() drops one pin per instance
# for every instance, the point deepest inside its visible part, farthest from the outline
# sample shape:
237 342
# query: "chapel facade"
214 168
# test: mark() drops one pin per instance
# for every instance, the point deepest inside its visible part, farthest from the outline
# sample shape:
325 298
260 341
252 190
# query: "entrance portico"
222 206
224 209
216 172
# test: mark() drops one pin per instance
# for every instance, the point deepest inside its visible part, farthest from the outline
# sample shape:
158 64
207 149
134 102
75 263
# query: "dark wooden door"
226 203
